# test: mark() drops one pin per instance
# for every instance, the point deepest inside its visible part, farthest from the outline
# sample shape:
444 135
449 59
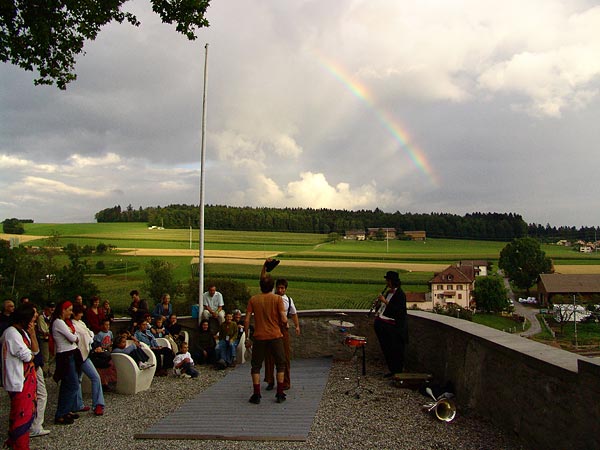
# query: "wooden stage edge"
207 437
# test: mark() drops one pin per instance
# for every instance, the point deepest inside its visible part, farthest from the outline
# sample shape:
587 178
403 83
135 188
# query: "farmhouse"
453 285
358 235
416 235
552 284
388 233
480 267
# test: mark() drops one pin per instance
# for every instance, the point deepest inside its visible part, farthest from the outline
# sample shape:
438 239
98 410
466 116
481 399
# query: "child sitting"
183 364
133 350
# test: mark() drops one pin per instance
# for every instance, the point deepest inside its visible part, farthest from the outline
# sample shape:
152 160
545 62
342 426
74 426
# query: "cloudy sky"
429 106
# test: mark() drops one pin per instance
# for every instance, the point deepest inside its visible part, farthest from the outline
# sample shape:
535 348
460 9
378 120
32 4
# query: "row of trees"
498 226
552 234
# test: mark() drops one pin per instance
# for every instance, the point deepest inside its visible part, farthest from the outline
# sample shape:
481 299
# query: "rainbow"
385 118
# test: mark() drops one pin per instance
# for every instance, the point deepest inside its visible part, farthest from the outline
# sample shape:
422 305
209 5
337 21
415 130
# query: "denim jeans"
226 351
97 394
67 393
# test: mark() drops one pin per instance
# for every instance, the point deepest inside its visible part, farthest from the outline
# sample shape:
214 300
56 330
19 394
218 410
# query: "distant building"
480 267
358 235
388 233
416 235
418 300
454 285
585 249
552 284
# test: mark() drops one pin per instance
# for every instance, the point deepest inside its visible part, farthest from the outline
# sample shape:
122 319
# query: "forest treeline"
493 226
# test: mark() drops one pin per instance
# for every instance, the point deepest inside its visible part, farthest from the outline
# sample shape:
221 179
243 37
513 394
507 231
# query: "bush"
100 265
13 226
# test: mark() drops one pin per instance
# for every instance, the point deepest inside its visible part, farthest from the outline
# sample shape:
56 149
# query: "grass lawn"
498 322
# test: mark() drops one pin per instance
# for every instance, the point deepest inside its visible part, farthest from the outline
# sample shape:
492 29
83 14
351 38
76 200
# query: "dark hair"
134 292
93 298
266 284
23 314
78 309
203 321
281 282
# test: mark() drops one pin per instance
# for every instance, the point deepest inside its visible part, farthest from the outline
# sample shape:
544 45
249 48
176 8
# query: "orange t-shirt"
267 309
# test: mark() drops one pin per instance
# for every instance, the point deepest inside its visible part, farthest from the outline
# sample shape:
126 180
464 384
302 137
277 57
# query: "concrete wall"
550 398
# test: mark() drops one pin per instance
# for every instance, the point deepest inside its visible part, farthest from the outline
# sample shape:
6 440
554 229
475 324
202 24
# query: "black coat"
396 309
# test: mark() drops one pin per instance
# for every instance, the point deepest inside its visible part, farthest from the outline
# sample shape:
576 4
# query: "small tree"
13 226
490 294
523 261
160 279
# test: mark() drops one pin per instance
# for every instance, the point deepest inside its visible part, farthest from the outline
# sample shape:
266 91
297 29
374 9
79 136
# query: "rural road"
526 311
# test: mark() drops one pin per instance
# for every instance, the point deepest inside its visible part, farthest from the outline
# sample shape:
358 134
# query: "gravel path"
390 418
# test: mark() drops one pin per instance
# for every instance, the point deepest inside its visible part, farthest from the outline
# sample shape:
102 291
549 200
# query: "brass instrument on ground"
443 407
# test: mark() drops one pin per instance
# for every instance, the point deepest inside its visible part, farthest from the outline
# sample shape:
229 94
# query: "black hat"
391 275
270 265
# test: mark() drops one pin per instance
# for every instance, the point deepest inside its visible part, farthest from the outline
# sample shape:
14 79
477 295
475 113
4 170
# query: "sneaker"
255 399
270 386
280 398
38 433
99 410
145 365
185 375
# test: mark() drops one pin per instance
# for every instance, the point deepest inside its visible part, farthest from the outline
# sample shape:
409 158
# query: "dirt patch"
21 237
577 269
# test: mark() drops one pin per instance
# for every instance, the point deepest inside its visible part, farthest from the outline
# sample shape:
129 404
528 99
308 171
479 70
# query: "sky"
430 106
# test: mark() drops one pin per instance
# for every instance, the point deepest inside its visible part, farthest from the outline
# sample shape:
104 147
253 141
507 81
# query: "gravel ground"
389 418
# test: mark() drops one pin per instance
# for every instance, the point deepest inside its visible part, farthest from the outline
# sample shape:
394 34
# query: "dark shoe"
72 416
99 410
280 398
255 399
270 386
388 375
64 420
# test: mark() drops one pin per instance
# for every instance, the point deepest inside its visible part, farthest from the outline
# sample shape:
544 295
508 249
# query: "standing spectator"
19 379
137 309
94 314
84 343
164 308
68 363
79 301
107 311
227 337
43 333
281 286
144 335
37 428
7 310
213 303
269 317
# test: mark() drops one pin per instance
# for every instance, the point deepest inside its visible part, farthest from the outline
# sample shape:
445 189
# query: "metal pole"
575 320
201 219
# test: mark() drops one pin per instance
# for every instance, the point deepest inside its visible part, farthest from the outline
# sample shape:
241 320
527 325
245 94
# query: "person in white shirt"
213 303
19 346
183 364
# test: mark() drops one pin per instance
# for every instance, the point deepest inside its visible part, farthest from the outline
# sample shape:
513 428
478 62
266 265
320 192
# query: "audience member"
206 344
107 311
7 310
68 363
100 356
43 333
37 428
137 309
174 329
164 308
212 301
134 350
144 335
19 345
94 314
227 337
183 364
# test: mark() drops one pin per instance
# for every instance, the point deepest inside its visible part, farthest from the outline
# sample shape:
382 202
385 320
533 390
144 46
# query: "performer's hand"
298 331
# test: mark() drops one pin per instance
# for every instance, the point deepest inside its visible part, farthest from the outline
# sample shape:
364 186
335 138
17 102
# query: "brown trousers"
270 362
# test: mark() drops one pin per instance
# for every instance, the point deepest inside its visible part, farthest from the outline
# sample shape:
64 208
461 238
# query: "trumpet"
376 302
443 407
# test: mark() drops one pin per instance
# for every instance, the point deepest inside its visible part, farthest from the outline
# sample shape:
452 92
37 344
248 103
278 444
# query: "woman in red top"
94 316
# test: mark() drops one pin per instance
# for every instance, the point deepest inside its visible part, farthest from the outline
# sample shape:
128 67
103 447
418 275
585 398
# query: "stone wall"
550 398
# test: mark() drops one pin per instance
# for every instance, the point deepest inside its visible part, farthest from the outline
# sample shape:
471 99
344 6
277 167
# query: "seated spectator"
100 356
158 328
143 334
227 336
133 350
213 303
94 315
174 329
164 308
206 344
183 364
237 318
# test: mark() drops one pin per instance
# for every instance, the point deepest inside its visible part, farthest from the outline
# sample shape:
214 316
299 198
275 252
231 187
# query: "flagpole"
201 219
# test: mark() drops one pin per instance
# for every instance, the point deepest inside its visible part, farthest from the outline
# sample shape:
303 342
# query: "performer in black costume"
390 324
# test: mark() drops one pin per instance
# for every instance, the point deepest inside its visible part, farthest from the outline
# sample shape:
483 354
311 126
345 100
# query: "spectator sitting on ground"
164 308
206 344
212 300
134 350
183 364
144 335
